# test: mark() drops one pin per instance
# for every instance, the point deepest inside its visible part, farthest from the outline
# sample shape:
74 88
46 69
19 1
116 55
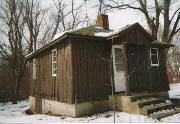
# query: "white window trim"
34 68
52 62
157 57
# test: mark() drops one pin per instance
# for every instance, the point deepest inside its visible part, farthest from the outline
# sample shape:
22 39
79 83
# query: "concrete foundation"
73 110
52 107
88 108
121 103
32 103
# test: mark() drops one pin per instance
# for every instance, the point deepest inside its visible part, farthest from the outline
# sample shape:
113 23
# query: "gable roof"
100 32
89 32
129 27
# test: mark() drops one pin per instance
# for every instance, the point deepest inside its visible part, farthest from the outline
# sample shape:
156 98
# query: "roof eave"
67 34
167 45
47 46
134 25
87 36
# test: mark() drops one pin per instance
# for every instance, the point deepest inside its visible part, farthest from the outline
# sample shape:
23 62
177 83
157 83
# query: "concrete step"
162 115
154 108
150 101
139 97
148 95
154 105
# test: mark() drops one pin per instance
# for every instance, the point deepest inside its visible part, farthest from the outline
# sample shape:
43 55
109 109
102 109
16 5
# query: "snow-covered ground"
14 114
11 114
174 90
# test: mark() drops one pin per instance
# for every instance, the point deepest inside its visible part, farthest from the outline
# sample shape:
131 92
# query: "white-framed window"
154 57
54 62
118 59
34 69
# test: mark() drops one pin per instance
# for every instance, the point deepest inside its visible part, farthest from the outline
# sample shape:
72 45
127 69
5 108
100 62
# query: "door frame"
114 67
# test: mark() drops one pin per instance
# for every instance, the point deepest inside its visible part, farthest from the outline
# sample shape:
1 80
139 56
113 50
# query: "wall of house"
91 69
58 88
159 76
133 35
84 71
143 76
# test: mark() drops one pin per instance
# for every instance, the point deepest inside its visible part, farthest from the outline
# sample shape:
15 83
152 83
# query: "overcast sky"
117 19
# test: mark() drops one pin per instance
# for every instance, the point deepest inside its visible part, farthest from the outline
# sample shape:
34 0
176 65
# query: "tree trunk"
16 91
166 21
17 85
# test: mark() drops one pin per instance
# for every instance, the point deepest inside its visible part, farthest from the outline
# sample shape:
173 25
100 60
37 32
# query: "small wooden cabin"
75 73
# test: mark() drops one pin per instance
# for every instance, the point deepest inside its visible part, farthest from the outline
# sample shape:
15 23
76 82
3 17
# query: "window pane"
119 67
118 56
55 65
54 54
154 59
34 68
117 51
153 51
117 59
54 58
55 71
54 62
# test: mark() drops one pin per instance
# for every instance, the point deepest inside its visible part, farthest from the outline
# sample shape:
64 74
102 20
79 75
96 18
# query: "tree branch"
124 6
174 15
174 31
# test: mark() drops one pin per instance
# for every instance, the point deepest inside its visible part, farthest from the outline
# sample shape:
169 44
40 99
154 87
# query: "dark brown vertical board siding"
91 69
137 68
134 35
55 88
158 74
84 68
142 76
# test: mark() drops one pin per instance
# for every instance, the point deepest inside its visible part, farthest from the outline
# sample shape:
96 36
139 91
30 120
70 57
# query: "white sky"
117 19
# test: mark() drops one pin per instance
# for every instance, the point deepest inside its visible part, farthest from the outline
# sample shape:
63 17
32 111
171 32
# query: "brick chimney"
102 21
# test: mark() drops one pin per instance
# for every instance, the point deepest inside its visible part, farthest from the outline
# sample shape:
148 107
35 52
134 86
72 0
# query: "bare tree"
173 61
12 42
101 8
33 15
153 10
21 23
67 16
